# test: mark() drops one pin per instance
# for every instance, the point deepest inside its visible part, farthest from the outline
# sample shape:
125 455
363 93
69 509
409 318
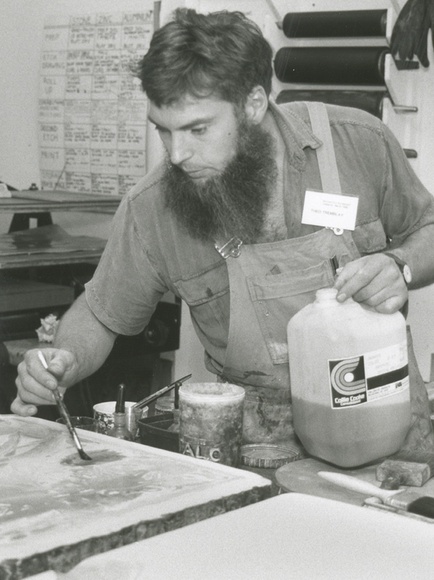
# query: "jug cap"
268 456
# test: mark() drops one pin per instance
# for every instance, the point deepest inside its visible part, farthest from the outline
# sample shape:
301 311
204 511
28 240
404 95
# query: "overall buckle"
230 249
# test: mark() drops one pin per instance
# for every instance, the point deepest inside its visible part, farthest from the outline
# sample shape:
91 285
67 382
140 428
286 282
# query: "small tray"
154 431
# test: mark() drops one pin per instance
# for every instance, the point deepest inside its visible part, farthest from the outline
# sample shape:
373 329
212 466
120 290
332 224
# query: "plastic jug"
349 380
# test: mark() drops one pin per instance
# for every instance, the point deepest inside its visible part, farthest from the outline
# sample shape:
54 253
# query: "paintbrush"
408 501
151 398
65 414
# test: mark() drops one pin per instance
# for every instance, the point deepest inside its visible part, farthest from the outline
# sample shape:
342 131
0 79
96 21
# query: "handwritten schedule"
92 111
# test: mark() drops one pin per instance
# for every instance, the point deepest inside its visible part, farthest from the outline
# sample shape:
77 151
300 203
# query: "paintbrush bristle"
84 455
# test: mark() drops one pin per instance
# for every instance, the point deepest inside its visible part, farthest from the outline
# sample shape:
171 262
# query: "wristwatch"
403 267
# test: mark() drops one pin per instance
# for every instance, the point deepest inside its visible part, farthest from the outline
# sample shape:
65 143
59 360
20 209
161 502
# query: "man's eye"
199 130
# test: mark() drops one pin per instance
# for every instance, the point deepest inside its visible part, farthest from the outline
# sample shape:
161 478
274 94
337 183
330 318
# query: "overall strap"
326 153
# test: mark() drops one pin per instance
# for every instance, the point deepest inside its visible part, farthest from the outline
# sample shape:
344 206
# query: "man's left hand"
374 280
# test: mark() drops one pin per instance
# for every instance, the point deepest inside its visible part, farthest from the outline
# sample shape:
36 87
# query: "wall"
20 43
21 28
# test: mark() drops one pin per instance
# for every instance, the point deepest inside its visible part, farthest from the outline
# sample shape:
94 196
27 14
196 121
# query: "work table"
141 509
59 509
287 537
292 535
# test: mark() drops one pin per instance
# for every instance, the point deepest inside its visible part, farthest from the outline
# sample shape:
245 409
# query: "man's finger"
23 409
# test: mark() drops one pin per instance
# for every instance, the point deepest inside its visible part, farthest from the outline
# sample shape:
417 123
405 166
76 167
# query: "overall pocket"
207 295
277 298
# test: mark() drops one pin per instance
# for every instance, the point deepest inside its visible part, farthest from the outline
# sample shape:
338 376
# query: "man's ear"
256 105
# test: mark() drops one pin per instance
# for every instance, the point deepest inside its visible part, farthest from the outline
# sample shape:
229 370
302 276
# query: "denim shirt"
148 253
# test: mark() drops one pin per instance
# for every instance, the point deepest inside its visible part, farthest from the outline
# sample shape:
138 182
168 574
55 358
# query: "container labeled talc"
211 421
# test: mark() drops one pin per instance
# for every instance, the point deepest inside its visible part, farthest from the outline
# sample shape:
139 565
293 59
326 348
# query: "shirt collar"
296 134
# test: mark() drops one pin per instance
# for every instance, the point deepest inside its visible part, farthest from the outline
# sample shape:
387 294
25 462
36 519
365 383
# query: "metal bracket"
230 249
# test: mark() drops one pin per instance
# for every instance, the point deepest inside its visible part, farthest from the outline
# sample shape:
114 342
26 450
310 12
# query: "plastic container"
349 380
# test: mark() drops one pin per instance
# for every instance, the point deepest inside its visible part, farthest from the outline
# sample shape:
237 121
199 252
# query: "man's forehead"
189 109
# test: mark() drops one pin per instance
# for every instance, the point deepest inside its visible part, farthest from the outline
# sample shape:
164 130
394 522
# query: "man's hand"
374 280
35 383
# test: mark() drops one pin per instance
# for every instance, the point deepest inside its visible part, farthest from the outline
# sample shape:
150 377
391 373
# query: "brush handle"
358 485
120 400
151 398
65 413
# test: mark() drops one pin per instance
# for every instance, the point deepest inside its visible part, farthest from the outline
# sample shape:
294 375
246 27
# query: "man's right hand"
35 384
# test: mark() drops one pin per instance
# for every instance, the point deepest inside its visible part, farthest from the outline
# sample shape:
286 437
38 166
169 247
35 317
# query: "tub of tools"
160 431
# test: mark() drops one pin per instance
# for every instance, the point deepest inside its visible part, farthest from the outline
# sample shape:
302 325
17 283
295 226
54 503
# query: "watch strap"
403 267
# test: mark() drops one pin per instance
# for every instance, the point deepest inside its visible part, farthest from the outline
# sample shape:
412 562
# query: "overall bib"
269 283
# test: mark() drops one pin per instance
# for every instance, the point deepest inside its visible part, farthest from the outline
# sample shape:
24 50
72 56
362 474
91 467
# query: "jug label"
369 376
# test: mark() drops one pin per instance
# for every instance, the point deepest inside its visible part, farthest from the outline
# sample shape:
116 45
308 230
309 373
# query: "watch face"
406 272
405 269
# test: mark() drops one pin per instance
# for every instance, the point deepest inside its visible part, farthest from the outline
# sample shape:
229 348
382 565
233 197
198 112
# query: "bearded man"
221 221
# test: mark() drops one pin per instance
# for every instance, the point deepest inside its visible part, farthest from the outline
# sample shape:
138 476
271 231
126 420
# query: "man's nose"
180 149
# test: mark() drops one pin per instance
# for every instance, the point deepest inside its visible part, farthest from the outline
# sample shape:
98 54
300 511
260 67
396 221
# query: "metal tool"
151 398
334 262
65 414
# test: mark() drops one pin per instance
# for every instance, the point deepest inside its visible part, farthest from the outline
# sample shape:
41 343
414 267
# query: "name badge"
330 210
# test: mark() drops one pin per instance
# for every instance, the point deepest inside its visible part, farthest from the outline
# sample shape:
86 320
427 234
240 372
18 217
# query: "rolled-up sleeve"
407 204
125 288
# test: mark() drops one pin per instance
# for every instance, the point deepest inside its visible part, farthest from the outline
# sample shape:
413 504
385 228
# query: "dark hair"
221 53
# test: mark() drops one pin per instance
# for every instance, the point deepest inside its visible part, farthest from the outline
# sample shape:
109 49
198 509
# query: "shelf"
41 201
47 246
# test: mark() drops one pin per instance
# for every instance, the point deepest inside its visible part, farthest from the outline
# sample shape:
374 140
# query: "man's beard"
233 203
